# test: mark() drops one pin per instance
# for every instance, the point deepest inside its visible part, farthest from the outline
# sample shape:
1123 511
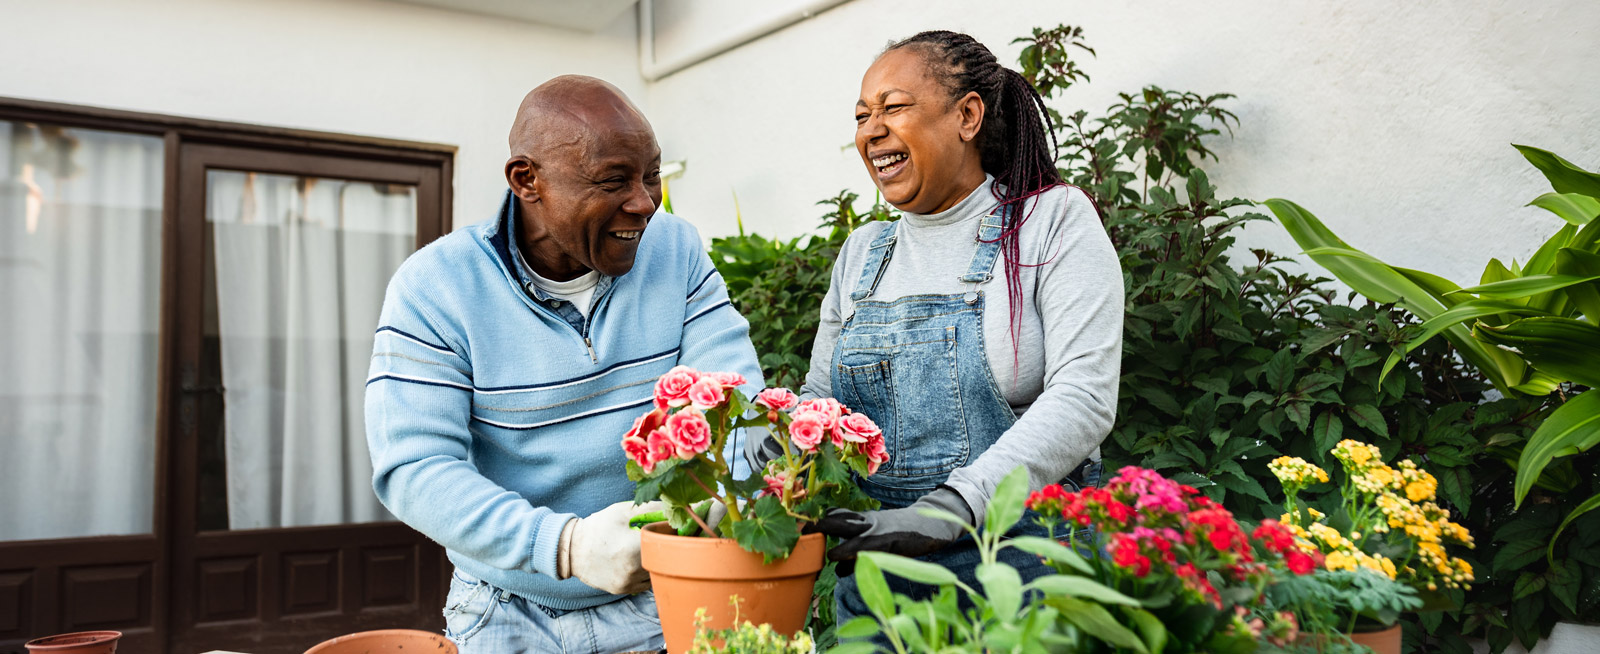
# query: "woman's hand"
898 531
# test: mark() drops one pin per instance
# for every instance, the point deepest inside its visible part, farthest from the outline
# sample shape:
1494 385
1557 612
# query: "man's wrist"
564 550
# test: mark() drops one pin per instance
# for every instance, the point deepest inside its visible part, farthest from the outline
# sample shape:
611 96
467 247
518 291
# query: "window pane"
80 275
296 279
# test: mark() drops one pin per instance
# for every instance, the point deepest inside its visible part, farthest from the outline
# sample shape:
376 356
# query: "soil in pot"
688 573
387 641
82 642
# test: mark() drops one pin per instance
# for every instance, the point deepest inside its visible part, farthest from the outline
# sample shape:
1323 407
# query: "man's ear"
521 175
970 108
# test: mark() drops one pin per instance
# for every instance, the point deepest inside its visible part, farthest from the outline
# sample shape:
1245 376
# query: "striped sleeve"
418 406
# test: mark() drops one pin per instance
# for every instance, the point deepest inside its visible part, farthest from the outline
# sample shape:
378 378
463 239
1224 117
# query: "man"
512 356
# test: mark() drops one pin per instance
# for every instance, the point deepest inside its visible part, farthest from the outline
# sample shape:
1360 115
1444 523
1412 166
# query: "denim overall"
916 366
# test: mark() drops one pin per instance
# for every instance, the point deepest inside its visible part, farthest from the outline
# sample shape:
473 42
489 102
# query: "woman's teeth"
884 161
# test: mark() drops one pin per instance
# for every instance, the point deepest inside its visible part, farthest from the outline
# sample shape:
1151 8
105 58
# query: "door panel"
284 259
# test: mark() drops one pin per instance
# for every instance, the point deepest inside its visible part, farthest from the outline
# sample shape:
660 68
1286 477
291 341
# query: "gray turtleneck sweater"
1061 379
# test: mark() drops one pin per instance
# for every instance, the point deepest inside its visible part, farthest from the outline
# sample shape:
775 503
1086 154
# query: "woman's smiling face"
918 145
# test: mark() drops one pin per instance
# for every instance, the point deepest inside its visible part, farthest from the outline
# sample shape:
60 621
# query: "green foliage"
779 285
1319 600
746 638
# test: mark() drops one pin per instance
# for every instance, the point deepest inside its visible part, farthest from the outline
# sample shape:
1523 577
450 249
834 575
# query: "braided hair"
1016 143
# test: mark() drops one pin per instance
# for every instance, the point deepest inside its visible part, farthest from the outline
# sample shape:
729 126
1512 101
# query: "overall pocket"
907 381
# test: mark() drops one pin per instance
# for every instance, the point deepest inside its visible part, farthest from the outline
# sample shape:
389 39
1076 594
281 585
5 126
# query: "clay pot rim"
78 639
734 562
416 634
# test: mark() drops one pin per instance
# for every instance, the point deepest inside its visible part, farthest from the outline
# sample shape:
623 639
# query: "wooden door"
264 587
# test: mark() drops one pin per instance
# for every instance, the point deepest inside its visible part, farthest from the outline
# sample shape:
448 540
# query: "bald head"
569 110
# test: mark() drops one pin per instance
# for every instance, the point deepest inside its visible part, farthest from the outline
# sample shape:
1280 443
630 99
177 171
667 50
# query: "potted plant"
1389 524
676 454
1179 575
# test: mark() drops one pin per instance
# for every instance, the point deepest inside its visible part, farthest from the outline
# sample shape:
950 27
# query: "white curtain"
80 273
300 270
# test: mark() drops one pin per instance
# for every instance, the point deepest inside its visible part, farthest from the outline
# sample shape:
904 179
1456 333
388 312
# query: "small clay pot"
387 641
82 642
1381 642
689 573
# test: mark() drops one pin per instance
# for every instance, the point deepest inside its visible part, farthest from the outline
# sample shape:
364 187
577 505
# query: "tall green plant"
1533 328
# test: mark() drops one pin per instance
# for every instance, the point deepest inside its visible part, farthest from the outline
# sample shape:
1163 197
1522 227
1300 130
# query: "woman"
982 330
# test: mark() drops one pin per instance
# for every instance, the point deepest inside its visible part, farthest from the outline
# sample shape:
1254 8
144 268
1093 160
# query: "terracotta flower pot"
1381 642
82 642
386 641
688 573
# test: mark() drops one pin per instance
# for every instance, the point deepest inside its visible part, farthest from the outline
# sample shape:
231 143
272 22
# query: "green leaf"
1075 586
1279 371
1097 622
858 627
1517 555
1587 506
1005 506
1566 578
1574 208
1528 584
1052 551
1003 588
769 530
873 588
856 647
1563 347
918 571
1327 431
1586 297
1469 310
1564 176
1149 626
1521 287
1367 417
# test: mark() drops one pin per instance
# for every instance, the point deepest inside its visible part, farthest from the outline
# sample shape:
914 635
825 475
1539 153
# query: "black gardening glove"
898 531
761 448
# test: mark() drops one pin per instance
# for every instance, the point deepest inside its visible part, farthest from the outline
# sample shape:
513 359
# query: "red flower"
1299 562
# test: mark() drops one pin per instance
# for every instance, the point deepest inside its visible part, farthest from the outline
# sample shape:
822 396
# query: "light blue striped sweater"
494 413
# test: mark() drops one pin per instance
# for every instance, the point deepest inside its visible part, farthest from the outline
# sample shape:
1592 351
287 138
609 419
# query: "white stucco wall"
351 66
1390 120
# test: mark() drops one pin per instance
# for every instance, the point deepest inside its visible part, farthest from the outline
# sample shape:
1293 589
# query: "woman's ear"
970 109
521 177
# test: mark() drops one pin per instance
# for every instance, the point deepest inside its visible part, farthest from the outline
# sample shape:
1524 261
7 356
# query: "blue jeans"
482 619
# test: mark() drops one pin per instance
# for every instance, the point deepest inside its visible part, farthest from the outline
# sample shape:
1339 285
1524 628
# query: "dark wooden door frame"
145 561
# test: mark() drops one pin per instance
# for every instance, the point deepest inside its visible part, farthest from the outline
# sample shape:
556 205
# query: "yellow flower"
1295 472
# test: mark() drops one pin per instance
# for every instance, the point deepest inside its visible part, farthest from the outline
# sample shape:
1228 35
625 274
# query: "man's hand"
603 552
899 531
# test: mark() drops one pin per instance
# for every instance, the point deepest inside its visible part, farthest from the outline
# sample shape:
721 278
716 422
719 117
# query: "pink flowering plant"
676 453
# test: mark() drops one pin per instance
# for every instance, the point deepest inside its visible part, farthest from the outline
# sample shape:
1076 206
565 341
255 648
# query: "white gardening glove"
603 552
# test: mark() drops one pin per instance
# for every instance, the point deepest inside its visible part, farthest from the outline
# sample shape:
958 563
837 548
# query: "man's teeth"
626 235
887 159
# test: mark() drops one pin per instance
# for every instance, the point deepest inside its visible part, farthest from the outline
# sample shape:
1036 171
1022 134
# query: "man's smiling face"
588 184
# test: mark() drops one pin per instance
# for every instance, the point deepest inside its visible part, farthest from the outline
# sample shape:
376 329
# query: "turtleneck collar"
978 202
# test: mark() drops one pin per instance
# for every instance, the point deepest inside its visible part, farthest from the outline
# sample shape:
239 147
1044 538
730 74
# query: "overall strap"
878 254
983 257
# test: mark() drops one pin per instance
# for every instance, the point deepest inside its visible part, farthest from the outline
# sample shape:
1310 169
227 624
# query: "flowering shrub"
1179 575
1396 527
1165 539
675 454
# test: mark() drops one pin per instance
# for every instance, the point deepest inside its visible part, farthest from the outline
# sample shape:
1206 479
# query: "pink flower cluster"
1153 524
665 434
684 386
853 433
